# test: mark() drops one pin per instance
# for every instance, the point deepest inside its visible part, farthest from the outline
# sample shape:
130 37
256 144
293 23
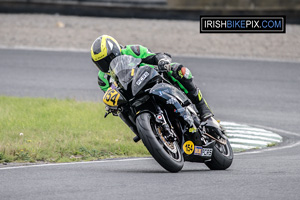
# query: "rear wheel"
167 154
222 157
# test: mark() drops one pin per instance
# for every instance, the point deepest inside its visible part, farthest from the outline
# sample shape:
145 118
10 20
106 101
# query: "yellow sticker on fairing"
111 97
188 147
132 72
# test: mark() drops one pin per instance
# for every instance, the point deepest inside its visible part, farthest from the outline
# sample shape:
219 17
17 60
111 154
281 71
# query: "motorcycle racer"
105 48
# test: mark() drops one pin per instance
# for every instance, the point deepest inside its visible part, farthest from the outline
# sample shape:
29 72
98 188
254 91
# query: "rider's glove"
164 64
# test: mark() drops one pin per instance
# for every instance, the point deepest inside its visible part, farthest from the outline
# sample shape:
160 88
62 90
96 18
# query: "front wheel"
167 154
222 157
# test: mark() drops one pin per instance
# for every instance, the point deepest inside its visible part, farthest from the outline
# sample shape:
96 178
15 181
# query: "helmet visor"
103 64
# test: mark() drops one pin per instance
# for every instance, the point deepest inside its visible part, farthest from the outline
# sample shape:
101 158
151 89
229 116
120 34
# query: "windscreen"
121 69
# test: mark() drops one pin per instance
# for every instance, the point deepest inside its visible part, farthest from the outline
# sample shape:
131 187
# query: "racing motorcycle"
157 111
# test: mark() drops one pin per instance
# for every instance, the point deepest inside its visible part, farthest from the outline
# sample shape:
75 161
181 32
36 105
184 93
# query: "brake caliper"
168 133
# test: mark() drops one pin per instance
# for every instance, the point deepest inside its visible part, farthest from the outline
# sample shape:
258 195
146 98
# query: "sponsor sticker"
180 74
188 147
206 152
143 77
171 101
200 151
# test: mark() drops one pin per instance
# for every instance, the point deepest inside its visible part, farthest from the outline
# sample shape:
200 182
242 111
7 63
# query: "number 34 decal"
111 97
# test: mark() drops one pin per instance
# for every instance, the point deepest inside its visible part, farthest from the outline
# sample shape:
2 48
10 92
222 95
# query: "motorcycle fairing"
170 89
113 97
198 154
164 88
141 77
171 97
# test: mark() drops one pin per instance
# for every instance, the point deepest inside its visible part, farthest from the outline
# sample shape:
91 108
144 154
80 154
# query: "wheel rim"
224 149
171 148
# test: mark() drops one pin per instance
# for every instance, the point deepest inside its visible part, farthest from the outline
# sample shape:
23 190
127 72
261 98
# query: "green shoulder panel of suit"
144 52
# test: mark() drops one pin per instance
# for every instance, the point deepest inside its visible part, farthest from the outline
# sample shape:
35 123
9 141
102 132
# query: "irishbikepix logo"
242 24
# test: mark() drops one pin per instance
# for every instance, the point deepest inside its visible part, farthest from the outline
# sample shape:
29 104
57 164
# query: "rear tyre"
167 154
222 157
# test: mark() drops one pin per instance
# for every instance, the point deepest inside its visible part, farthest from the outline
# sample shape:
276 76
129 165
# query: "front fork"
161 119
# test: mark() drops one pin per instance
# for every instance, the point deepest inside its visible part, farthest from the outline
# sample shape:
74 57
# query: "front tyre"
222 157
167 154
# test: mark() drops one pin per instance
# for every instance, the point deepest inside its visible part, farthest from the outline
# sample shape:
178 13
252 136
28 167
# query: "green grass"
61 131
272 144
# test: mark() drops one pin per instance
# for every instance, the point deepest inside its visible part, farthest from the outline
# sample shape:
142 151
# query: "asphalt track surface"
263 93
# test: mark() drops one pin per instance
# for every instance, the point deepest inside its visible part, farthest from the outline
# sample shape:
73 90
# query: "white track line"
257 143
278 130
250 132
270 149
76 163
253 137
243 137
273 148
242 146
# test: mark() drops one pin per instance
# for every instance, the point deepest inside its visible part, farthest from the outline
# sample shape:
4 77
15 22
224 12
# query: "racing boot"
204 111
